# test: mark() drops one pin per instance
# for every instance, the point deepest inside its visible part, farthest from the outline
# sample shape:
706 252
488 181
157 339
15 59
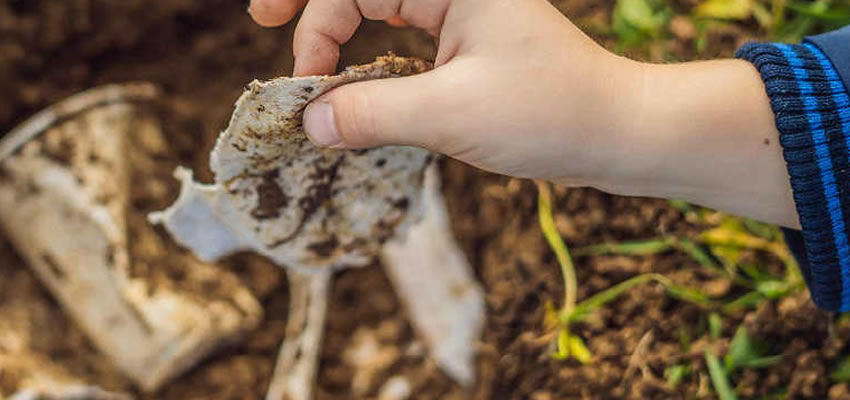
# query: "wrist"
704 132
622 156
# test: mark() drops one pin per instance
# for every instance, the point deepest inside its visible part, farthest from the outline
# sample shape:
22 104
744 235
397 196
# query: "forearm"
705 133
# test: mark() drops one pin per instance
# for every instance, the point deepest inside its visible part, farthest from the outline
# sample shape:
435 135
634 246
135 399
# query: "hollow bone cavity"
309 209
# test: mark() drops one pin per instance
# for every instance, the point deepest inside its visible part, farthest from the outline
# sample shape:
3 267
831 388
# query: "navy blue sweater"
808 86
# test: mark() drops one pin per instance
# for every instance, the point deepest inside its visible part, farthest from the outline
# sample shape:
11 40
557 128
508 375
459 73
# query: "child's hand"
519 90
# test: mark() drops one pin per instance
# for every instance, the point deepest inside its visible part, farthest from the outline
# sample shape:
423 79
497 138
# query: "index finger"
270 13
324 26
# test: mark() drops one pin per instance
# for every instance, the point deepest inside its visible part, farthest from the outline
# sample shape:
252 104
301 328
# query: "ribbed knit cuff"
812 110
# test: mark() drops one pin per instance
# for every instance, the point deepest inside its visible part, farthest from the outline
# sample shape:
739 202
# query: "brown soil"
201 53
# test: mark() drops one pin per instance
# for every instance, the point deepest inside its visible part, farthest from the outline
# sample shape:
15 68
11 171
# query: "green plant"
719 378
745 352
568 344
841 372
675 373
805 18
637 22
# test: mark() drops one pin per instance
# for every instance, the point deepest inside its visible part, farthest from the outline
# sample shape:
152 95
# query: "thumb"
399 111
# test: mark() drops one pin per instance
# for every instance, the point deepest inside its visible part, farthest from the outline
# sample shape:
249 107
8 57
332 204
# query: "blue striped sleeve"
812 107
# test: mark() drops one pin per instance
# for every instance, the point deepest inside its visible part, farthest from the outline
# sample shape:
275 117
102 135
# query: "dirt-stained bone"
64 193
300 205
317 210
309 209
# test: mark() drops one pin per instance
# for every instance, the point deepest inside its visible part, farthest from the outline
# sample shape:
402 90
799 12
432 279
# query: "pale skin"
519 90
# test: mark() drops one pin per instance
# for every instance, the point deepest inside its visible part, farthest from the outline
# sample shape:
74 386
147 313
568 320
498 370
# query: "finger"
424 14
378 9
324 26
400 111
274 12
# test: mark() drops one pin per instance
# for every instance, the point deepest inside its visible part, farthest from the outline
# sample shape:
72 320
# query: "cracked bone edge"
65 214
431 275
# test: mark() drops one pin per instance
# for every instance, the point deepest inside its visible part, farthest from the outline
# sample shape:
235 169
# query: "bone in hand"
316 210
302 206
64 204
309 209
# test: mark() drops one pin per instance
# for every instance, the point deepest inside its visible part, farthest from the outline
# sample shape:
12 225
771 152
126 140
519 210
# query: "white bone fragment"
303 207
64 191
315 210
297 363
28 370
396 388
309 209
434 280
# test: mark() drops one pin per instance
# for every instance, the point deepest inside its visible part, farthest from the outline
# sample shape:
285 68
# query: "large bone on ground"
433 279
58 391
302 206
28 369
64 184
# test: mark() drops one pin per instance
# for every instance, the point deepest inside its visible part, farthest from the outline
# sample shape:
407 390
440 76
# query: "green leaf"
744 352
765 18
684 338
752 271
631 248
840 15
578 350
731 235
606 296
763 362
698 254
718 377
774 289
765 231
740 349
636 22
685 293
725 9
841 372
675 374
641 15
749 300
562 351
683 206
715 325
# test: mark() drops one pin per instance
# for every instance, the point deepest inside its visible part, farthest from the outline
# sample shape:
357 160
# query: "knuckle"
274 12
376 9
427 14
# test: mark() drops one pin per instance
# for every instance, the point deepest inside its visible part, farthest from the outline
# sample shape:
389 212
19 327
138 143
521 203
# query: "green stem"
606 296
547 224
